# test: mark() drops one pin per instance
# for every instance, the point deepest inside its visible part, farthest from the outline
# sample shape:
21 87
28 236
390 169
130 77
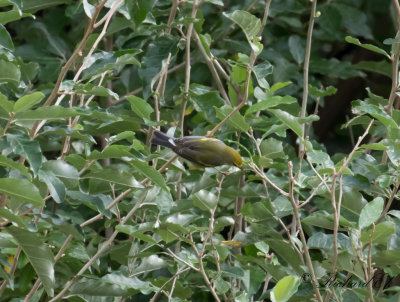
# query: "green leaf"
380 67
6 214
297 47
375 111
114 176
39 256
9 72
27 101
5 39
64 171
5 103
250 25
150 173
27 148
56 186
205 200
140 107
268 101
381 233
237 121
285 288
136 233
261 71
289 120
330 90
47 113
371 212
22 190
114 151
278 86
370 47
374 146
8 162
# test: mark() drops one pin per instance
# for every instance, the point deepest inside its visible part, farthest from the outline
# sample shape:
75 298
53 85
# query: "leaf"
140 106
370 47
330 90
268 102
381 233
64 171
237 121
88 8
370 212
56 187
150 173
5 39
5 103
375 111
27 101
114 176
289 120
114 151
22 190
9 72
38 254
205 200
250 25
380 67
297 48
285 289
8 162
27 148
261 71
374 146
47 113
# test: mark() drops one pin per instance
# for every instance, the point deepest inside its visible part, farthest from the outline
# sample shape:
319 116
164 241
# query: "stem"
302 236
306 66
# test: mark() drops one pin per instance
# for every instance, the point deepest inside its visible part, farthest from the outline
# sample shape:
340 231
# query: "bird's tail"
162 139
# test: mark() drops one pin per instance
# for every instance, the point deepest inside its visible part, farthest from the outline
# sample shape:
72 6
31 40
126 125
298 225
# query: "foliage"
89 210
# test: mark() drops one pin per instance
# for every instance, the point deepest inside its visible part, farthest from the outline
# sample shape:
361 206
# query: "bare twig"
301 233
306 66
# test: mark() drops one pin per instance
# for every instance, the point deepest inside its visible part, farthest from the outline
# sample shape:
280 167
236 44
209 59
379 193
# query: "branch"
68 64
301 232
306 66
248 76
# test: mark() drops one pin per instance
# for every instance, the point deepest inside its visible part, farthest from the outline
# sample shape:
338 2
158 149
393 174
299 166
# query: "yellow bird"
201 150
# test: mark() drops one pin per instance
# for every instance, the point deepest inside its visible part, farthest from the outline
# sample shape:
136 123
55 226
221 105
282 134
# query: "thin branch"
306 66
209 62
302 236
12 270
248 76
69 63
103 248
187 69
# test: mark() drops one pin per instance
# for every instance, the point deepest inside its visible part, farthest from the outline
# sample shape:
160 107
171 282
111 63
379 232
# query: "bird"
200 150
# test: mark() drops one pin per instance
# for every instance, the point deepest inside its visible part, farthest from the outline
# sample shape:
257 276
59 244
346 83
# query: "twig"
12 270
178 272
103 248
370 270
302 236
209 62
262 175
248 76
68 64
395 63
306 66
